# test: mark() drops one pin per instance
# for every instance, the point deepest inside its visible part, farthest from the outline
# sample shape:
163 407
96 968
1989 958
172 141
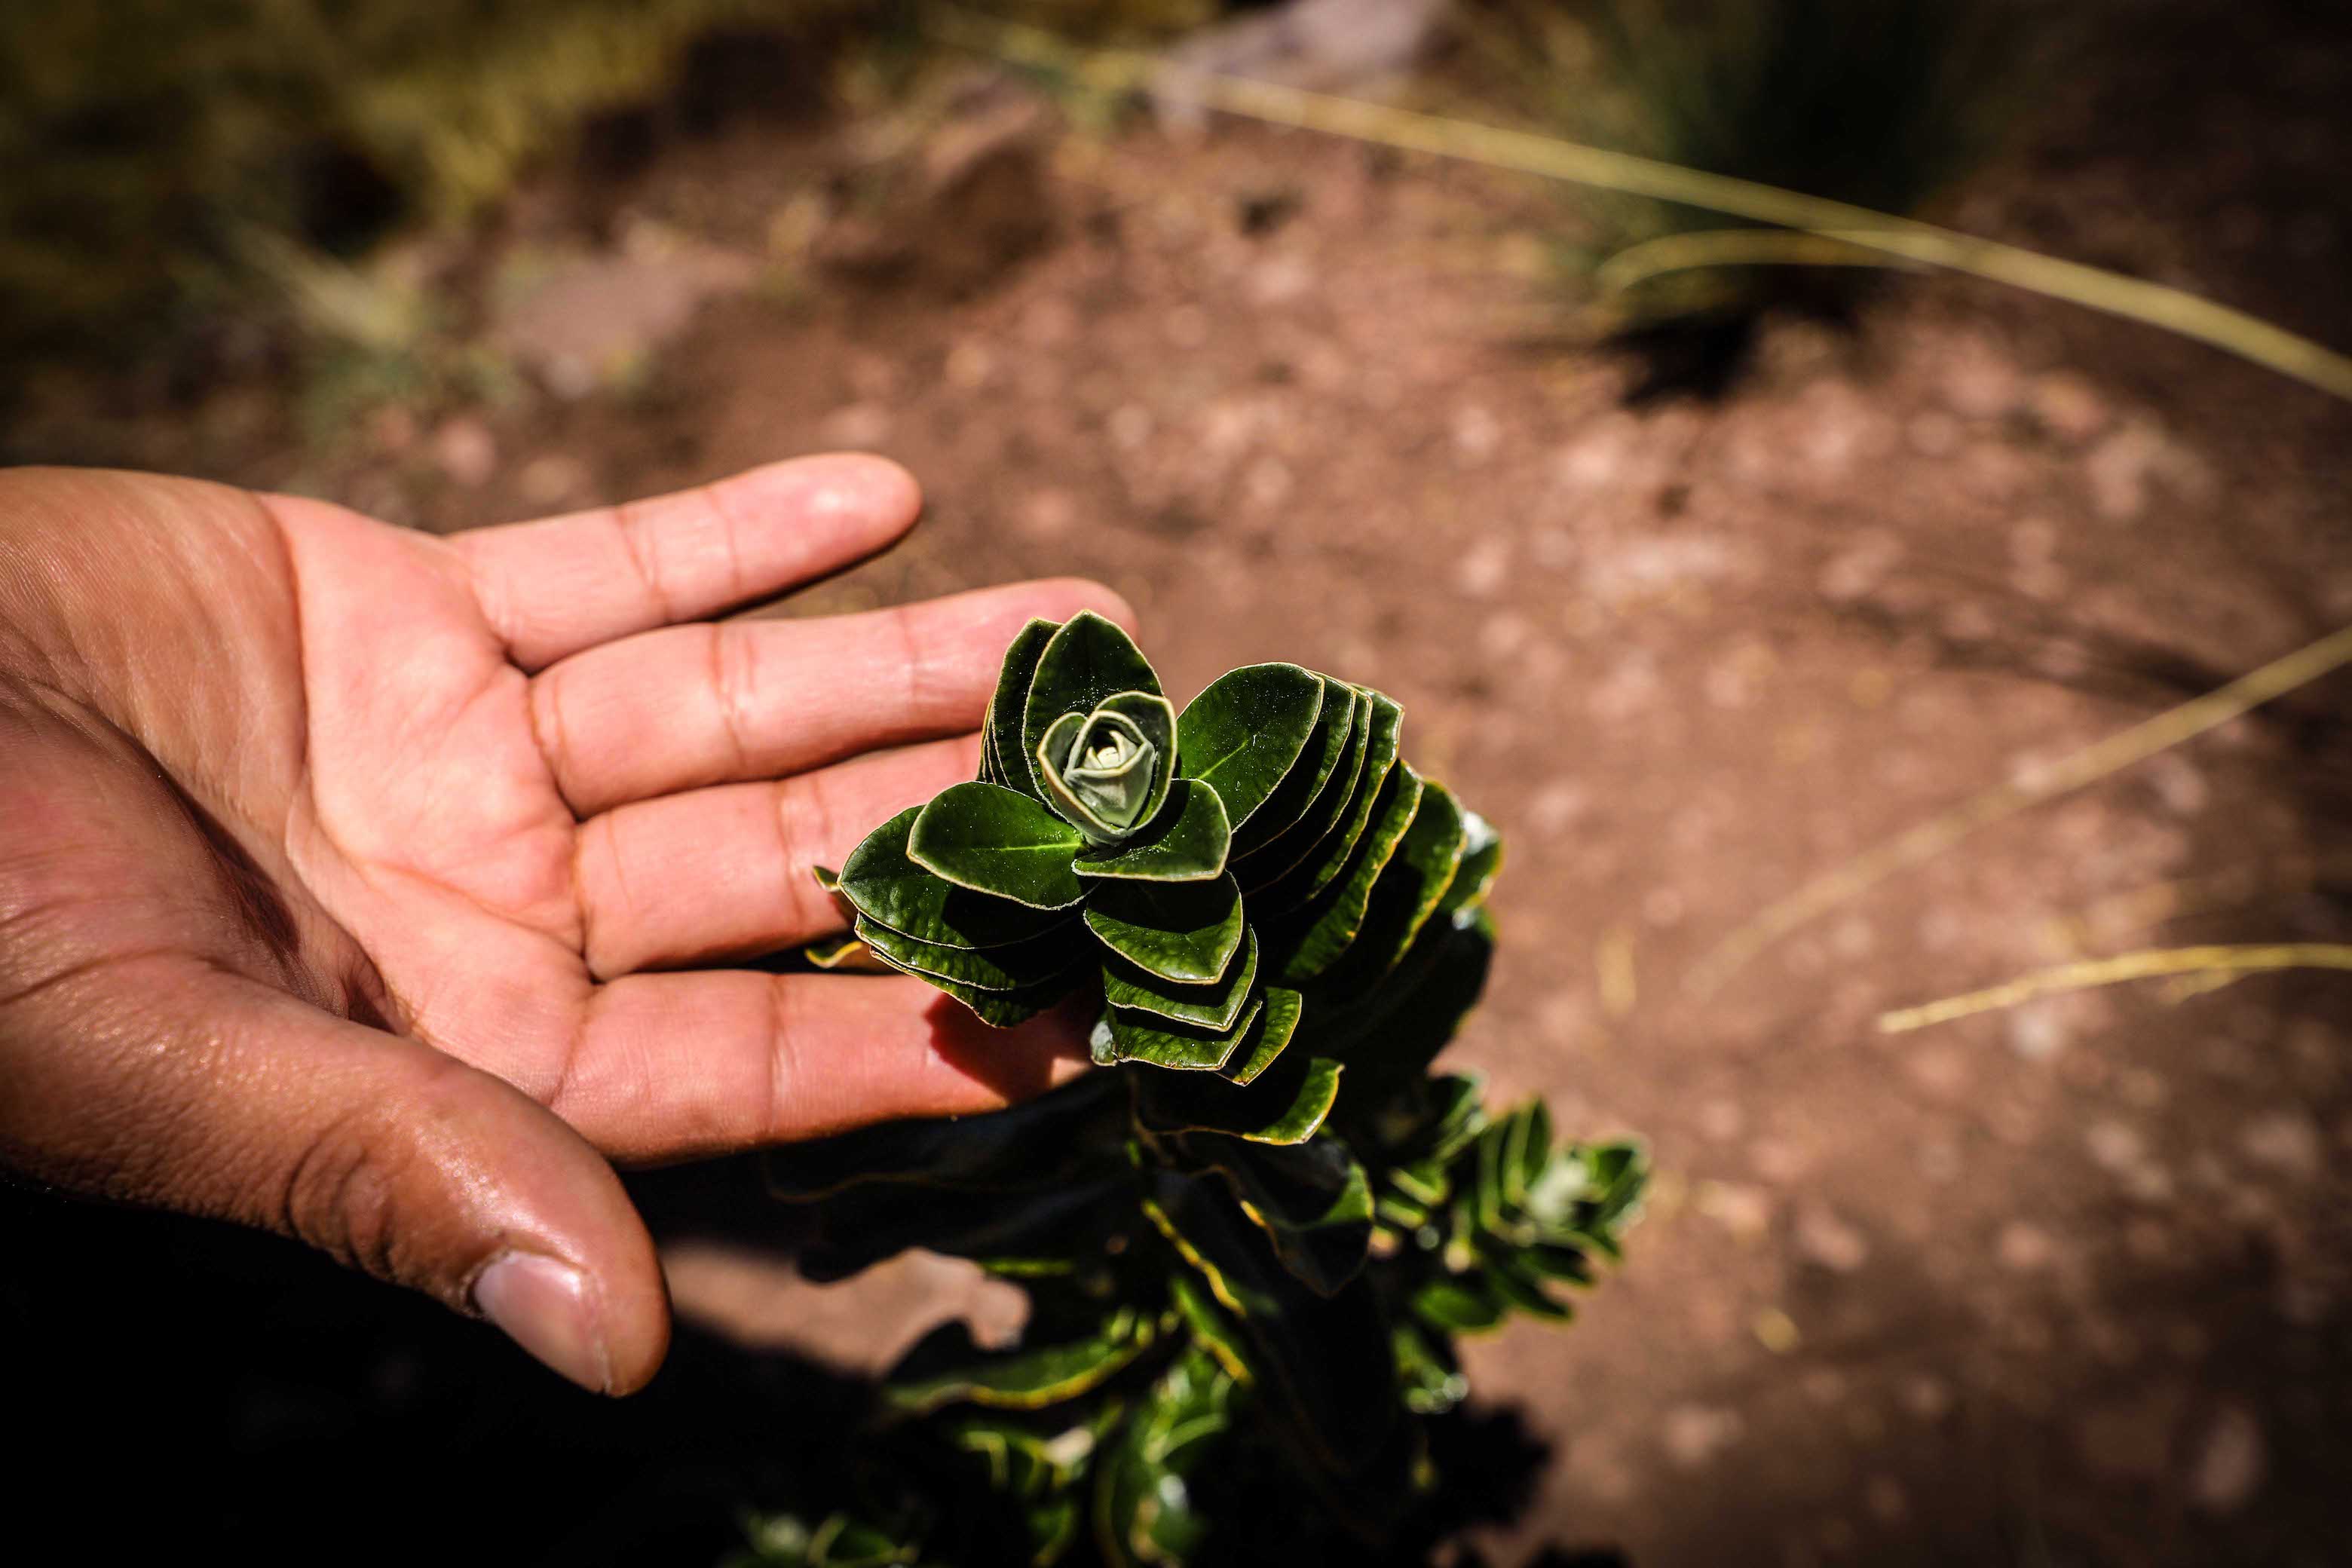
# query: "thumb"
168 1082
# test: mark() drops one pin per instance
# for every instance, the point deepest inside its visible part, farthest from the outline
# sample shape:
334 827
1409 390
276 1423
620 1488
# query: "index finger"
554 587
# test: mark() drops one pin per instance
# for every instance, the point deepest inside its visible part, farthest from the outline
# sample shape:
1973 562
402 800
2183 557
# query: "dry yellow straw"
2249 337
1637 264
2207 962
2091 764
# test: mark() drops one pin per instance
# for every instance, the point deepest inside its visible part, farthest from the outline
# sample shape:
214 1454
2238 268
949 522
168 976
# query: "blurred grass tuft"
1884 104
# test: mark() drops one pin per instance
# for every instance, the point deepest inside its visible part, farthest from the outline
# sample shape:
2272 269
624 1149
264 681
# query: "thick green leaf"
1187 842
1212 1329
1123 1036
1527 1150
1558 1260
998 841
1326 748
1005 750
1208 1007
1334 853
1482 860
844 953
1313 940
1000 1009
1287 848
888 888
1523 1290
1026 1458
1457 1307
1246 730
1144 1512
1433 1121
1266 1041
1110 802
1389 1037
1042 1142
1327 1359
946 1368
1016 967
1285 1106
1184 931
1427 1374
1088 661
1406 895
1311 1199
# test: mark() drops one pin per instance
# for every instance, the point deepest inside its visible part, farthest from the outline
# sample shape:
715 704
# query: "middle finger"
689 706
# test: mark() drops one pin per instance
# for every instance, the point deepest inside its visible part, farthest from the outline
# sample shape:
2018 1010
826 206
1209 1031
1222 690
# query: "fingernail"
546 1308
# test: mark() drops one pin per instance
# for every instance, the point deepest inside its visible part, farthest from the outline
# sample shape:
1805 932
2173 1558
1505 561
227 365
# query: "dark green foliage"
1249 1247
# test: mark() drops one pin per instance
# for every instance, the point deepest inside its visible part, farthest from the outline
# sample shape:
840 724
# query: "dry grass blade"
2176 311
1637 264
2089 765
2213 964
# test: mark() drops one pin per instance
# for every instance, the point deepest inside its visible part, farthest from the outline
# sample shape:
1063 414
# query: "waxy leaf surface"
1406 894
882 883
1004 745
1000 1009
1328 925
1482 860
1184 931
1124 1036
948 1368
1246 730
1014 968
998 841
1326 749
1086 661
1271 1035
1215 1007
1268 862
1186 843
1285 1106
1331 856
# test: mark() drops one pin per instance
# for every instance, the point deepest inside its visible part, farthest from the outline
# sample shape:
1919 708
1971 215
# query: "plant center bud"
1109 768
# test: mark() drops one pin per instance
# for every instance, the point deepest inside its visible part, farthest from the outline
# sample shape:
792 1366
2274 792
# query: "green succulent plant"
1248 1253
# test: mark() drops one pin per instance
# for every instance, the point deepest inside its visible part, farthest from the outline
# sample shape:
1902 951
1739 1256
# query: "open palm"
319 833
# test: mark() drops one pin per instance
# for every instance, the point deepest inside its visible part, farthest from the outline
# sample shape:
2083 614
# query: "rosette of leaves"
1248 1245
1215 872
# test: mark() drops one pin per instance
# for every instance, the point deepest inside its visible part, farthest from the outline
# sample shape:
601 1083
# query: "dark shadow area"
267 1402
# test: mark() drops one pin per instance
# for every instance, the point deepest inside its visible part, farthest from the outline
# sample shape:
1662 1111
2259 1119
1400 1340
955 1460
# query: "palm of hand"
490 791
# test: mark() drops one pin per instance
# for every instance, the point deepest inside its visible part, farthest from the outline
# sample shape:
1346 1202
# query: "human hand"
340 867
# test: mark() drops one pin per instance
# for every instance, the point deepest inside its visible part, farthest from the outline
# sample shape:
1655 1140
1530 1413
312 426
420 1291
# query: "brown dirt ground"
2064 1284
